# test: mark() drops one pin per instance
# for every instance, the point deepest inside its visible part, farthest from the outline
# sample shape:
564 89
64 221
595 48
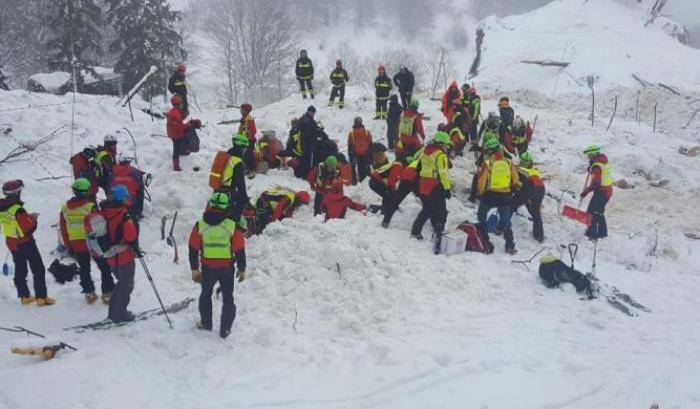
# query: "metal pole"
155 290
655 111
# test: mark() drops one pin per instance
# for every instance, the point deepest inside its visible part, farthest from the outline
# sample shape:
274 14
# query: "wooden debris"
547 63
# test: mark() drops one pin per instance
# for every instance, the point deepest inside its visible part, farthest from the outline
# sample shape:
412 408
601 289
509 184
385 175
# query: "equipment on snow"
171 239
142 316
155 290
216 174
526 263
577 215
476 238
46 351
64 270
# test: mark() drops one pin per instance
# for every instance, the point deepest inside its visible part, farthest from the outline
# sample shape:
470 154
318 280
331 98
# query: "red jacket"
128 176
121 231
175 126
247 127
334 205
390 177
26 223
452 93
322 181
596 177
73 246
214 216
359 141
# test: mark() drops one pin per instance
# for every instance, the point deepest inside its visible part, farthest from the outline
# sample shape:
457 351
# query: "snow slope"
602 38
346 314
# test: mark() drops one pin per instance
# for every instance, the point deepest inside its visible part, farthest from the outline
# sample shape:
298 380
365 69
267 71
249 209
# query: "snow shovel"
576 213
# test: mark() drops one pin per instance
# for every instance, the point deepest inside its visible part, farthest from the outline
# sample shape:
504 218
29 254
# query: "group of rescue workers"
107 233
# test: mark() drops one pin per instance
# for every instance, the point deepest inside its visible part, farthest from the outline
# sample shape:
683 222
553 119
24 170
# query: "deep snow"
394 327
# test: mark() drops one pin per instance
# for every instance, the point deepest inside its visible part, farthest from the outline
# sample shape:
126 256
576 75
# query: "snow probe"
155 290
526 262
171 239
46 351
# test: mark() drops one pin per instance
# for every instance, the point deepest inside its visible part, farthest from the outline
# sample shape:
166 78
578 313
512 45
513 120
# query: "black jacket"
507 117
309 131
404 80
339 77
395 110
177 84
382 86
304 69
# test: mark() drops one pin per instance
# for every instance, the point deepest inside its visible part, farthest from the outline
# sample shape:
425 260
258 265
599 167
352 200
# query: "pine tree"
146 36
74 32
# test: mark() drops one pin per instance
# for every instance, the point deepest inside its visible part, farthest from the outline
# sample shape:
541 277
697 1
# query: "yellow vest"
531 171
434 166
75 220
277 193
228 172
406 124
499 175
8 222
216 239
606 179
297 143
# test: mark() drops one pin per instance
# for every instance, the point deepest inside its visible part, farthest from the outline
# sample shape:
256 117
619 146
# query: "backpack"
476 238
64 273
556 272
216 175
192 140
98 241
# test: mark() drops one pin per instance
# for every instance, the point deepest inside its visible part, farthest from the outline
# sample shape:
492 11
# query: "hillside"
395 326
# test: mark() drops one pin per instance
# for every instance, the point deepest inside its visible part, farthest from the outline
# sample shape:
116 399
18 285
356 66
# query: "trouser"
306 163
137 204
27 255
318 199
179 146
360 168
381 103
383 191
502 202
435 209
263 215
249 158
596 207
405 97
83 258
121 296
224 276
338 91
305 84
405 187
473 134
532 201
391 134
473 188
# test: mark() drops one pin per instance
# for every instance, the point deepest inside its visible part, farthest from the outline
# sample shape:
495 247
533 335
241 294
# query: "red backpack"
476 238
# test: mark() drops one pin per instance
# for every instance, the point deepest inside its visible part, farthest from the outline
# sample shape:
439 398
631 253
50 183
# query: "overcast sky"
684 11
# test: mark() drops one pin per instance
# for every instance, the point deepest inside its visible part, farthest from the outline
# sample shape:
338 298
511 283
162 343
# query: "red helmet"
303 197
12 187
246 107
176 100
381 68
181 68
338 62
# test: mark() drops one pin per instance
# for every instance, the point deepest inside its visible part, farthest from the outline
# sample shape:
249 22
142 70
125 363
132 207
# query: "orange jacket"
359 141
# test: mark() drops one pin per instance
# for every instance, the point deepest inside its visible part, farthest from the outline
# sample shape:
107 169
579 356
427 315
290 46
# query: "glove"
448 194
241 275
196 123
196 275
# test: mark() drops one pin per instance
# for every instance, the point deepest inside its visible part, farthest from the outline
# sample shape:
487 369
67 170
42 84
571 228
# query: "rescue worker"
277 204
18 227
451 99
434 188
105 159
216 244
123 233
411 134
507 115
338 78
247 127
522 134
177 85
321 180
459 129
472 102
600 182
293 149
497 179
531 193
177 127
335 204
382 89
392 122
72 225
405 81
85 166
359 143
234 177
385 176
267 150
305 74
134 180
308 129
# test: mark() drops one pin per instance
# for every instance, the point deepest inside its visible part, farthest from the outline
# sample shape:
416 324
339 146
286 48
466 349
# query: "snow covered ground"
346 314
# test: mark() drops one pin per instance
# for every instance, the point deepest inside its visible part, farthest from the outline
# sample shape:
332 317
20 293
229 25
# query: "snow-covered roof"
51 81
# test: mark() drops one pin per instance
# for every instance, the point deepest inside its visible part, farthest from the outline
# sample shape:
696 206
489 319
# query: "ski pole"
155 290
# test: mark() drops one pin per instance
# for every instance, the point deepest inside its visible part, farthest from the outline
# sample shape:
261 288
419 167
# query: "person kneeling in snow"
322 179
277 204
220 243
335 204
385 177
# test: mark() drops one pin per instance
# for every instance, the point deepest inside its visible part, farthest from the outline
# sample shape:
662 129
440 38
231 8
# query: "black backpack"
554 272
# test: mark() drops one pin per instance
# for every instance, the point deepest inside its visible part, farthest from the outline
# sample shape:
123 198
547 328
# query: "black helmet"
378 147
493 121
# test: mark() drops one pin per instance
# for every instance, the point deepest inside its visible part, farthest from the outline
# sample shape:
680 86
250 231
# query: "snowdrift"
346 314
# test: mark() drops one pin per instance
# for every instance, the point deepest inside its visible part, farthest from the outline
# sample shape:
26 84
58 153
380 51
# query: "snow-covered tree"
146 35
74 32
